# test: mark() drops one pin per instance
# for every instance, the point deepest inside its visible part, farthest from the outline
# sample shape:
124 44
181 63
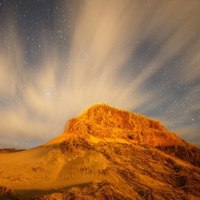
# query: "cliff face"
105 153
103 121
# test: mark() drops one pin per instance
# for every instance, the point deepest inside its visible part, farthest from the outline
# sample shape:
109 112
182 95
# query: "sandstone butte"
104 153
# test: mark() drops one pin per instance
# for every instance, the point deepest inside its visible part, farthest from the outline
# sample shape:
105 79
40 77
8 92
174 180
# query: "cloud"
134 55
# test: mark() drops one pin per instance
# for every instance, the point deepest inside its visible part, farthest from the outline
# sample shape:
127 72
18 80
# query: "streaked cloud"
137 55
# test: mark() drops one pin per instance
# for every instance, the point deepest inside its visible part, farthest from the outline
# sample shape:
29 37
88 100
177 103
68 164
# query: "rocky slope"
105 153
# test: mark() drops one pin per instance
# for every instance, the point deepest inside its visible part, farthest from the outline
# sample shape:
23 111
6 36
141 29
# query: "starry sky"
58 57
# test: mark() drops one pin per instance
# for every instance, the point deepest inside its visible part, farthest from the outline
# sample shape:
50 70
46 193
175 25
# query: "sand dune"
104 153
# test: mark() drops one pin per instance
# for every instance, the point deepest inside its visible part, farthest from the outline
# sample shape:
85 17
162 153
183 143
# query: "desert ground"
104 153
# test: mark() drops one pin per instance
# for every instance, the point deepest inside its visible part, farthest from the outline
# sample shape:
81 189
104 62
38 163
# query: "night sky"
57 58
